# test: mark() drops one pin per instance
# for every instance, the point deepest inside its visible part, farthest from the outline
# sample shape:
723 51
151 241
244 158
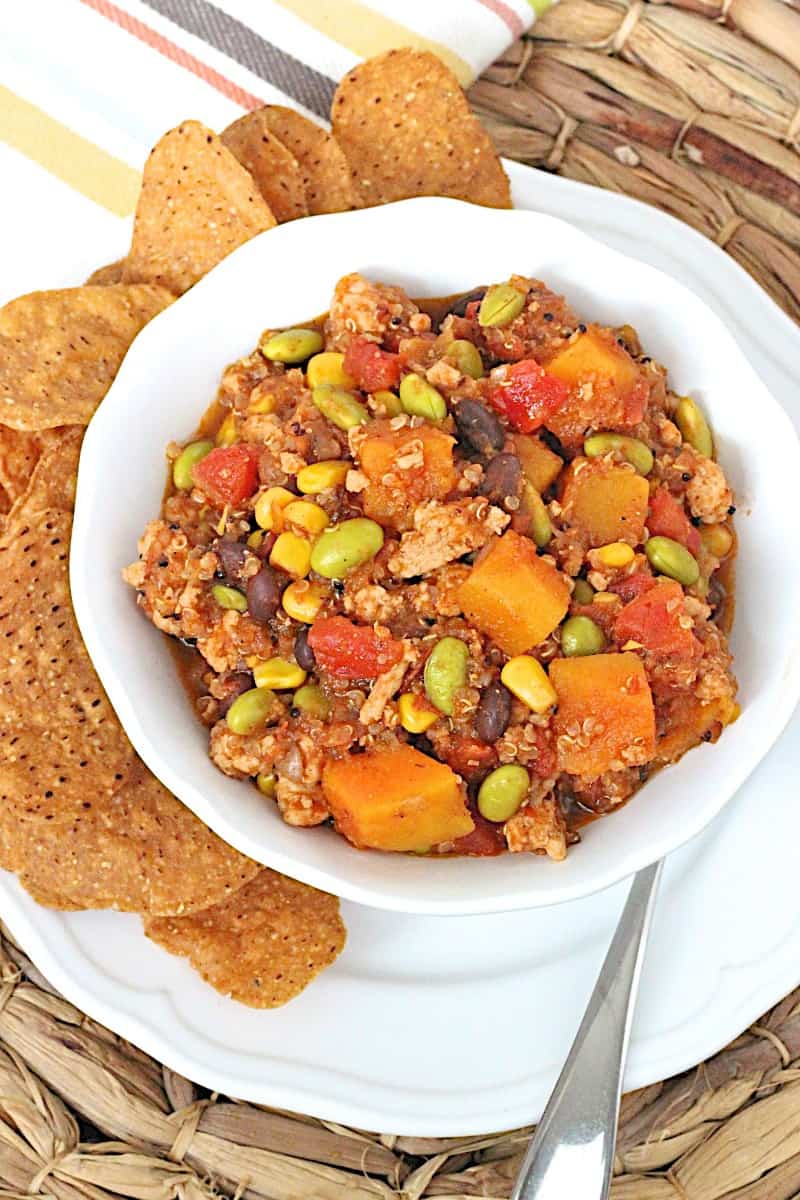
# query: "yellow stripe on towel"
367 32
71 158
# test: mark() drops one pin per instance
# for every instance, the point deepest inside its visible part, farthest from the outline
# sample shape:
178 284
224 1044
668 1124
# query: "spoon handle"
572 1151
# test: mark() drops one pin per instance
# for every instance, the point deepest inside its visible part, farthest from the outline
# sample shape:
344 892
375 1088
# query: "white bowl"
431 247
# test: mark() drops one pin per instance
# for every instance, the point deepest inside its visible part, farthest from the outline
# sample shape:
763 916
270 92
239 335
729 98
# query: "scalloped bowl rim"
159 395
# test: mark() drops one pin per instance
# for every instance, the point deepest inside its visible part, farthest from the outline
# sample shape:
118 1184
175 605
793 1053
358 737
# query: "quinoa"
230 568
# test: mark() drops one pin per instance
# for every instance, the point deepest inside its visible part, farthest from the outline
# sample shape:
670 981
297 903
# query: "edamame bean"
421 399
182 467
673 559
583 592
501 304
694 427
465 356
312 700
632 450
292 345
502 792
581 636
445 673
250 710
541 528
339 406
341 548
266 784
229 597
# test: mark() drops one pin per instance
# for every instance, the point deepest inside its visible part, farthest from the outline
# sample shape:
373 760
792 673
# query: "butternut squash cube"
605 501
513 596
395 798
691 720
605 718
608 389
540 465
404 467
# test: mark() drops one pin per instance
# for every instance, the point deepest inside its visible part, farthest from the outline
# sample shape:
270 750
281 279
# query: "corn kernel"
255 539
226 434
615 554
291 554
416 715
302 600
605 598
262 400
328 367
269 505
309 516
278 674
527 679
717 540
319 476
389 401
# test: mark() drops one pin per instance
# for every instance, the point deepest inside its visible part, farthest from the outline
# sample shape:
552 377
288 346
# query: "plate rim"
780 696
769 987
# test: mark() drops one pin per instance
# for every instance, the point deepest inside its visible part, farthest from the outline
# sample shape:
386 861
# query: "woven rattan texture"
697 115
86 1116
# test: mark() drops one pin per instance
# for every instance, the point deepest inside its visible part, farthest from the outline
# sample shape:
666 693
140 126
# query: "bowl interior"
431 247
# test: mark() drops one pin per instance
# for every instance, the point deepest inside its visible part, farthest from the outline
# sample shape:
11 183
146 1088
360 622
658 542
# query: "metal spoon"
572 1151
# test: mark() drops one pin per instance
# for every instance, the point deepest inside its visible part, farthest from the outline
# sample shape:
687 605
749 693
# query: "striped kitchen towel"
87 86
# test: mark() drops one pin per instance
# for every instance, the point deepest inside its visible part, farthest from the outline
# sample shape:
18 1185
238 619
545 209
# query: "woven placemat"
694 107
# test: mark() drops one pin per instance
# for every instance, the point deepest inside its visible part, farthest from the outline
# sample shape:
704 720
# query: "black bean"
493 712
263 594
235 685
304 655
231 557
264 547
478 427
422 743
502 479
459 306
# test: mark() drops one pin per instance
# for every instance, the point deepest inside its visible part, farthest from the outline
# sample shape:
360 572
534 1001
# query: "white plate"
420 244
458 1025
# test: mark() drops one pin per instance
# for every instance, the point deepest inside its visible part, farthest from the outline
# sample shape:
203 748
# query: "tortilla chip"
273 168
59 351
197 204
20 451
54 478
263 945
406 129
325 171
138 851
60 740
110 273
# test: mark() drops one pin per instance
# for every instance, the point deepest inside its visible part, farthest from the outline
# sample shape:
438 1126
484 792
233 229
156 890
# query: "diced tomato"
351 651
653 620
635 402
372 369
526 395
632 586
667 518
469 757
229 474
471 311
